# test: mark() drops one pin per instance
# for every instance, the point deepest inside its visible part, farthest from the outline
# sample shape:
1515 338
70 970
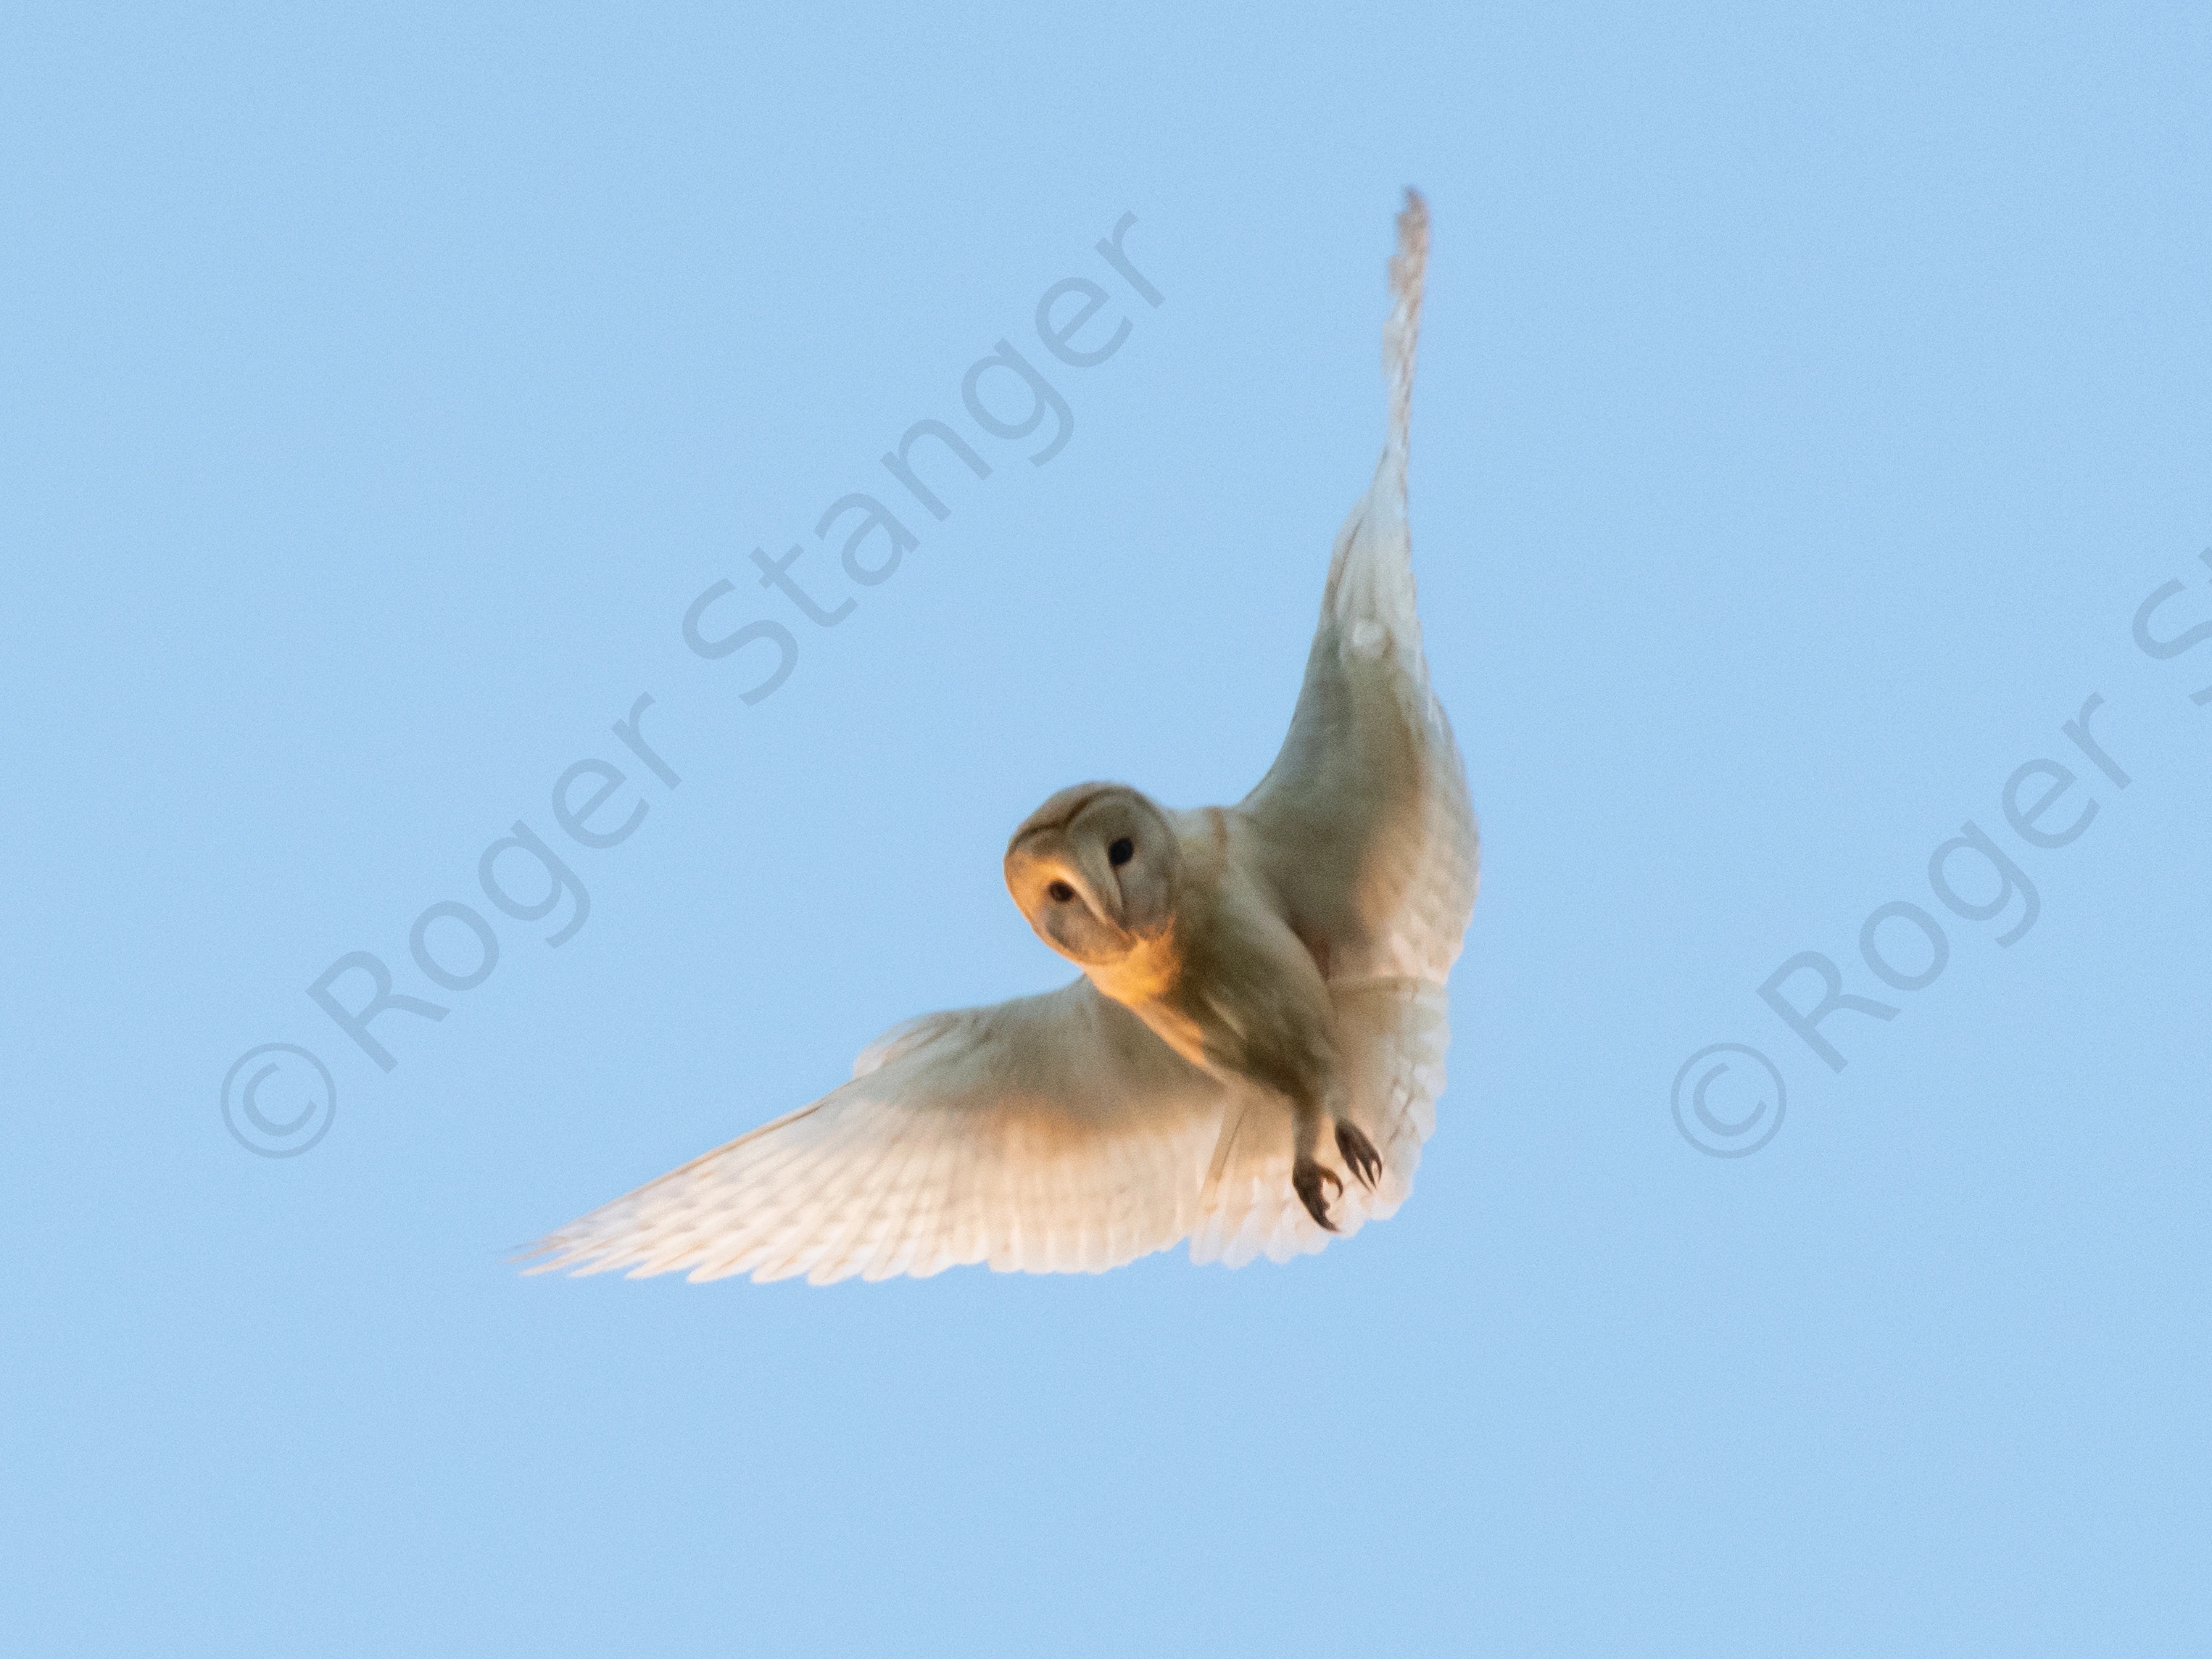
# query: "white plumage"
1255 977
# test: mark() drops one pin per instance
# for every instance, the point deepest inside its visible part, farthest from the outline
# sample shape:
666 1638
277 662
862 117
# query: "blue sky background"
1807 403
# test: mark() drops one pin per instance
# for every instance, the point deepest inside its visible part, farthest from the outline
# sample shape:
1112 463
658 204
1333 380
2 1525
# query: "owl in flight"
1252 1056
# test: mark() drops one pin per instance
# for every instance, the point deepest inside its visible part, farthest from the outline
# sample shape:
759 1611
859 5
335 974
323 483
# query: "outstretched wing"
1363 824
1051 1133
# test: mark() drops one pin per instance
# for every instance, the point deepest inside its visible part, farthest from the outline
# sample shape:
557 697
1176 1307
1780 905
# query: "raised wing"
1051 1133
1363 824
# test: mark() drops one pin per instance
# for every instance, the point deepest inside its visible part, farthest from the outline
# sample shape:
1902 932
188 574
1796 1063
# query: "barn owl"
1251 1057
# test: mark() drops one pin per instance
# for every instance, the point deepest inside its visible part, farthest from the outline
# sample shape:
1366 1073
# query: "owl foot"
1306 1177
1359 1154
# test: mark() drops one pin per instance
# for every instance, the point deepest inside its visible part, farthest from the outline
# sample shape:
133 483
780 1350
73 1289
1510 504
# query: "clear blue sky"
1808 404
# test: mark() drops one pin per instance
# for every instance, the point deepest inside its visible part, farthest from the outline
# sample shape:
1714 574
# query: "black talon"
1305 1182
1359 1154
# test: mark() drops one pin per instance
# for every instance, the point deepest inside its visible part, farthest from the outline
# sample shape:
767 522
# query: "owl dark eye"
1060 891
1121 852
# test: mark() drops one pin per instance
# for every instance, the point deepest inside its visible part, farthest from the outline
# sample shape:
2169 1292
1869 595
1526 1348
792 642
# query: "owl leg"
1306 1178
1358 1152
1308 1173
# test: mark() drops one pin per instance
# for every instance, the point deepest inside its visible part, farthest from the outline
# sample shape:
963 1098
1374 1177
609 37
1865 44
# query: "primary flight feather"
1252 1056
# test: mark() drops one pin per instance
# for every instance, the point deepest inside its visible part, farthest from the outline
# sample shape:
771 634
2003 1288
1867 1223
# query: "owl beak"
1095 877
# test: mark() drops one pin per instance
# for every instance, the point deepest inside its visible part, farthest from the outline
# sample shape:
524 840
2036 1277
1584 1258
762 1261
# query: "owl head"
1095 870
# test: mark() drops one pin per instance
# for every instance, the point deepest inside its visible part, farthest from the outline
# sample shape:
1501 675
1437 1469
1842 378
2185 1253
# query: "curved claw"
1306 1177
1359 1154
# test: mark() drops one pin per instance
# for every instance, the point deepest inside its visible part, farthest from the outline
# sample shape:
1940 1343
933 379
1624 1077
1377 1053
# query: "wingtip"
1413 224
558 1252
1401 333
1411 256
532 1259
